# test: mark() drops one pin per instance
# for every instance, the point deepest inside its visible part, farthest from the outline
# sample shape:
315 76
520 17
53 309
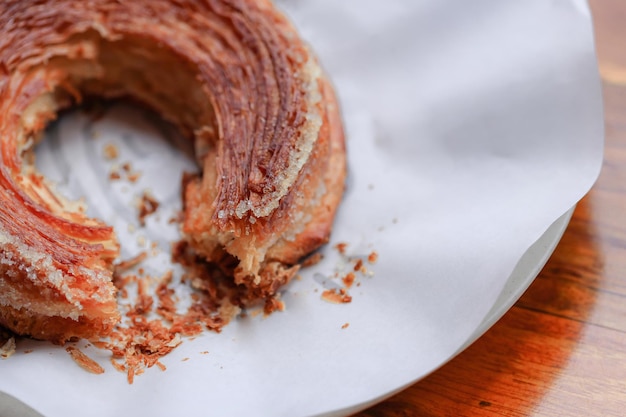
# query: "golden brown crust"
232 74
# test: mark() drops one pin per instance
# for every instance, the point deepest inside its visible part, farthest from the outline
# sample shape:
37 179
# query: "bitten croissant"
233 75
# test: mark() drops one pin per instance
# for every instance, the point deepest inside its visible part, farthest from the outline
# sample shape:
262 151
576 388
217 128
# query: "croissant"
233 75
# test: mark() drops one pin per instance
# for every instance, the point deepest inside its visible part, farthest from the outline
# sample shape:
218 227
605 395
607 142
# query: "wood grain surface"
561 350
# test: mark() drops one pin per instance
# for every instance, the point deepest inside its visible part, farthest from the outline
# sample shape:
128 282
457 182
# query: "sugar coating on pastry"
233 76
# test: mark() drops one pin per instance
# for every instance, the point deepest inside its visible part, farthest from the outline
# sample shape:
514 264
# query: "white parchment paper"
471 127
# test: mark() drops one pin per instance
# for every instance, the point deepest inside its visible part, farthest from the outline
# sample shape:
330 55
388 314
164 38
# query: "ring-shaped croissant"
233 75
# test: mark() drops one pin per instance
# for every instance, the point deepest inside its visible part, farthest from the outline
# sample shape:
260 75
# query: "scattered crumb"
84 361
144 301
8 348
110 151
124 266
153 327
336 297
372 257
134 176
114 175
155 248
147 205
184 359
204 352
348 280
346 270
131 175
120 282
141 241
118 366
27 351
341 247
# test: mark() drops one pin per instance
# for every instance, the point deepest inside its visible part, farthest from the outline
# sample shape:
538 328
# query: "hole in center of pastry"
124 174
122 164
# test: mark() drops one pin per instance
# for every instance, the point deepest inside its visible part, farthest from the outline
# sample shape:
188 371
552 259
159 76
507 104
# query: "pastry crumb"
114 175
8 348
134 176
147 205
153 327
348 270
84 361
345 325
341 247
131 175
336 297
118 366
110 151
348 280
372 257
128 264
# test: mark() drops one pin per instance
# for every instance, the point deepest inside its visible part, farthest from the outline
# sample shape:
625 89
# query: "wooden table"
561 350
